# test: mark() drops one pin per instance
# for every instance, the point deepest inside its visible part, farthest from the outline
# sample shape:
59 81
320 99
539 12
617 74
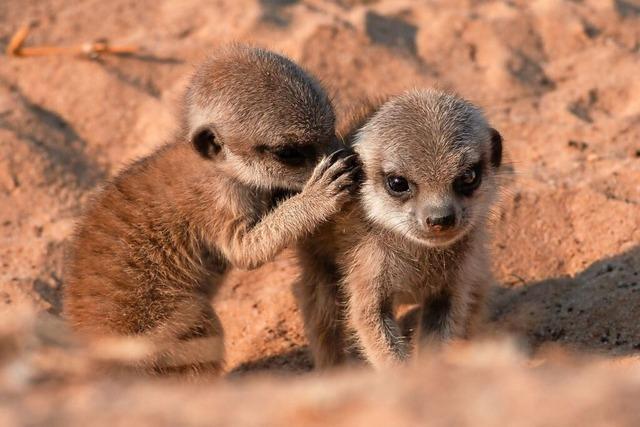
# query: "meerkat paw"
335 179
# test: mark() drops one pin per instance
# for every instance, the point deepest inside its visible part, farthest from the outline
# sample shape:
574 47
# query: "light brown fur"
158 239
380 251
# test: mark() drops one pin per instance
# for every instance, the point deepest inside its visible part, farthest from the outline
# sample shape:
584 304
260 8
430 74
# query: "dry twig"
91 49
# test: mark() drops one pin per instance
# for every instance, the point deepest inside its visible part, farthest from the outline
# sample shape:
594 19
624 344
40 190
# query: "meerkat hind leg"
441 318
319 300
475 319
190 341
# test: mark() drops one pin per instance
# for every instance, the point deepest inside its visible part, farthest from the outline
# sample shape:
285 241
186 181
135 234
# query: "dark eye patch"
469 180
291 154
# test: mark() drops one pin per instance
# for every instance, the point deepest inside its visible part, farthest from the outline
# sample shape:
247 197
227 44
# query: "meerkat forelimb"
317 288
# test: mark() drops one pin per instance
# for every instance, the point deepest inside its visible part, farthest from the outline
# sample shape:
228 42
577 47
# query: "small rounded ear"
496 148
205 142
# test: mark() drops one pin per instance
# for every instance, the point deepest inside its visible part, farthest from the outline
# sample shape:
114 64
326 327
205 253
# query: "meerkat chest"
414 274
249 204
258 201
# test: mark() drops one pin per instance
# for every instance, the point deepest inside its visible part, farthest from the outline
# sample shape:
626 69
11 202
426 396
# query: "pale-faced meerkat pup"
417 234
159 238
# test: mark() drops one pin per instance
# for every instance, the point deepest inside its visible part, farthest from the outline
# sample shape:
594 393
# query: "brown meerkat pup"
417 235
158 239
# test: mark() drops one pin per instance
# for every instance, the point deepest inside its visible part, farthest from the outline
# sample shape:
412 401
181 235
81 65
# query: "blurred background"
558 78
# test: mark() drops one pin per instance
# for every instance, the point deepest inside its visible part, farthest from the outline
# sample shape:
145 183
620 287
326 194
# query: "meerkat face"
282 160
431 162
279 160
260 118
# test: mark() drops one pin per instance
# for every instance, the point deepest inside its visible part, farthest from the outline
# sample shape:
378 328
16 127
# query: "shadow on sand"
597 311
295 361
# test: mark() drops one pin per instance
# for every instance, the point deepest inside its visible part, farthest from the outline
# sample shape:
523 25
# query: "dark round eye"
469 180
469 177
290 156
397 185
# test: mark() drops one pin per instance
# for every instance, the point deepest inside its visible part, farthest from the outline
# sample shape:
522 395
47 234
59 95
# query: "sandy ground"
558 78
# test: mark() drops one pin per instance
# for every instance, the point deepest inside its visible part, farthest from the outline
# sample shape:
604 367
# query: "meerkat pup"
156 242
417 235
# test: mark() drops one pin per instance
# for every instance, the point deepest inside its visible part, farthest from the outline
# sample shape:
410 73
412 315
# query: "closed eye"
291 154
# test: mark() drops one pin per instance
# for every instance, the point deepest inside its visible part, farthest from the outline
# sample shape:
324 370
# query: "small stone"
580 145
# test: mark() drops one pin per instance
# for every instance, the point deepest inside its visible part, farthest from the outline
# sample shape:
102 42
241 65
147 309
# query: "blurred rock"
557 78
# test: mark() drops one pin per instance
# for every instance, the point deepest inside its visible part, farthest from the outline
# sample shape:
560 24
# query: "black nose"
441 222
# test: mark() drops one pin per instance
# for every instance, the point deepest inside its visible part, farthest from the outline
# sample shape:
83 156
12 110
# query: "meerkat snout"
440 218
